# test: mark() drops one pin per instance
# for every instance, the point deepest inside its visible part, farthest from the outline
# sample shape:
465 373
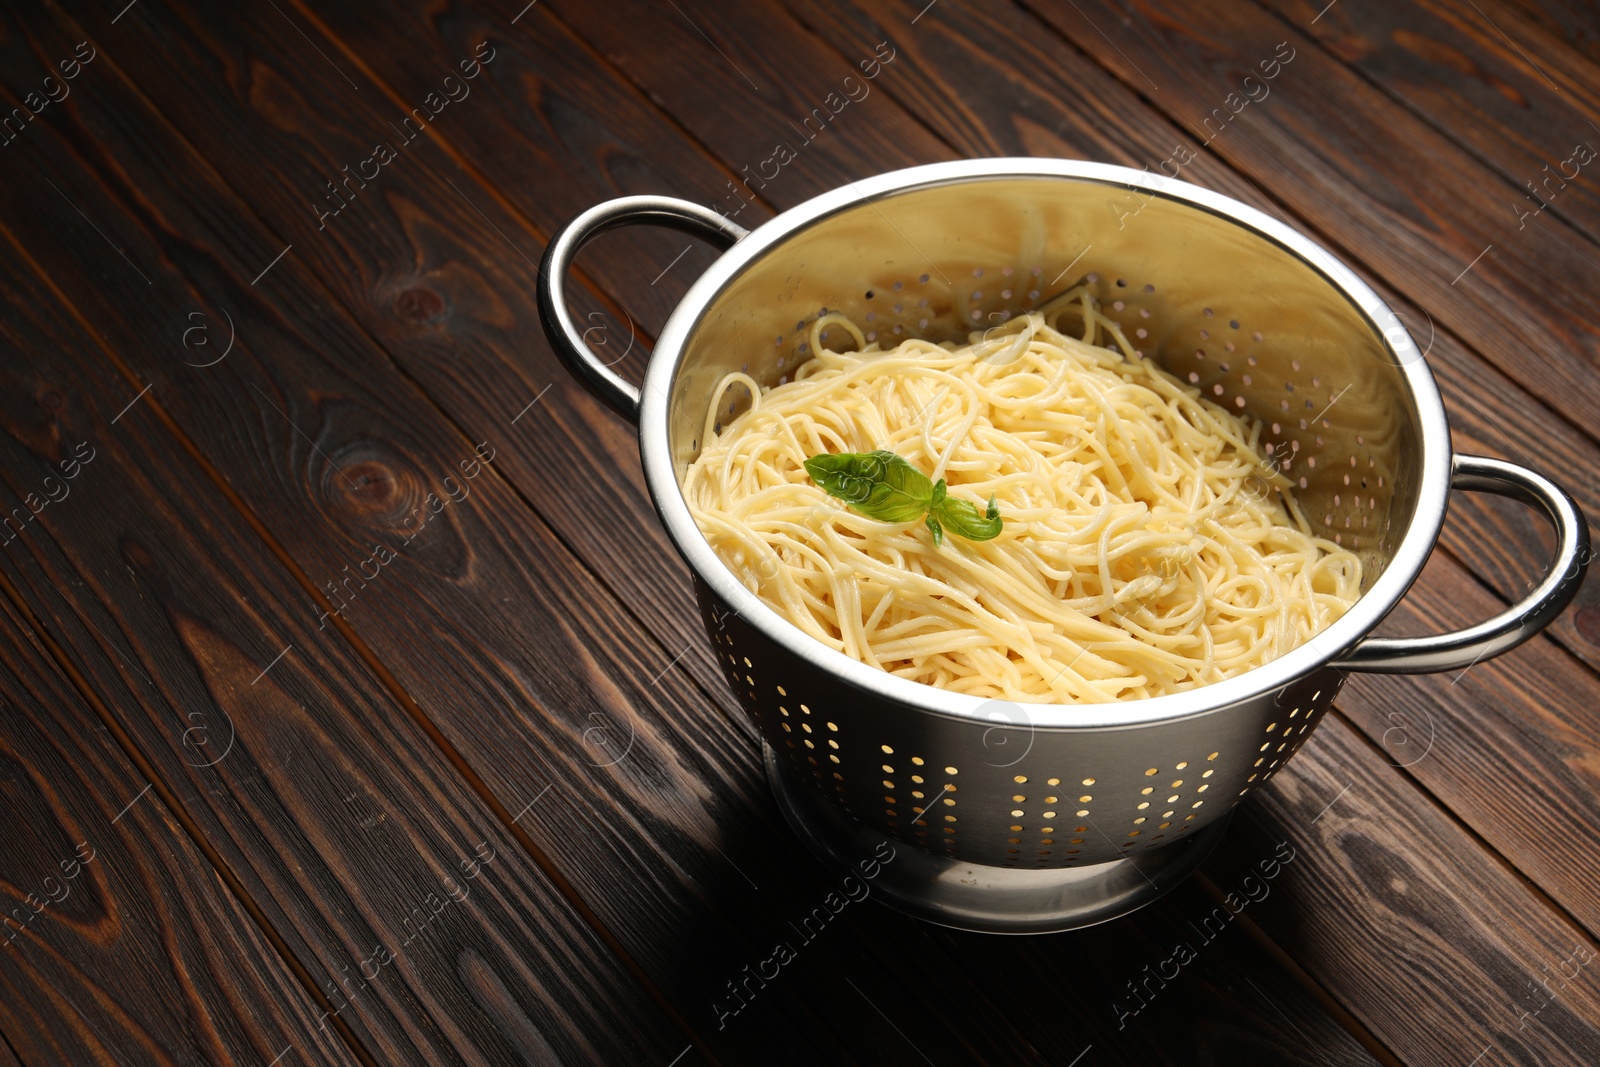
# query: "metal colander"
1021 817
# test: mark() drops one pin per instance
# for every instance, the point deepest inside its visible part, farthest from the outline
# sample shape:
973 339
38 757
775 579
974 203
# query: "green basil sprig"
882 485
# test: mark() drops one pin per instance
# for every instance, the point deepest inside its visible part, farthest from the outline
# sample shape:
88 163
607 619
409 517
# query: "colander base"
977 897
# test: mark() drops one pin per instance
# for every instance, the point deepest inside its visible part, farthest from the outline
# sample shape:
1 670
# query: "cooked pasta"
1148 546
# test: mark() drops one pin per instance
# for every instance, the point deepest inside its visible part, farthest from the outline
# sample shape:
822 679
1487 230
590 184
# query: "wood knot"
1588 622
371 486
135 555
418 305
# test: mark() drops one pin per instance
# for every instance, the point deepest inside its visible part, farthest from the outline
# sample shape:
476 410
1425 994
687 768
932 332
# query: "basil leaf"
879 485
965 519
883 486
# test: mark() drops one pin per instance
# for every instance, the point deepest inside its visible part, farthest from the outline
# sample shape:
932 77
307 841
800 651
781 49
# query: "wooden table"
355 708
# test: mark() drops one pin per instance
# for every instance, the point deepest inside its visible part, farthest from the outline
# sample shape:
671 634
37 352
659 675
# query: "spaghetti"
1148 544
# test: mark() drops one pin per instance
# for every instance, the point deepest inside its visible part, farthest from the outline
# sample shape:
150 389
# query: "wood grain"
493 644
634 835
1393 905
1573 21
1502 744
334 811
1522 105
437 267
704 123
768 861
763 78
120 944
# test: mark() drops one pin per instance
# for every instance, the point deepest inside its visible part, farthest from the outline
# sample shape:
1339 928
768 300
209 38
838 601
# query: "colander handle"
618 393
1507 630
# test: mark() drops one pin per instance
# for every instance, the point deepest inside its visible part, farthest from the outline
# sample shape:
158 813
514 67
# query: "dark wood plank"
762 93
334 810
1438 947
435 266
366 37
701 123
1523 105
1510 745
485 610
120 944
1574 21
1348 159
773 864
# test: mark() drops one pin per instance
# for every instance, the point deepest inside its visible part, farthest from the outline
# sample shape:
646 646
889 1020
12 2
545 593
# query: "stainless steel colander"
1011 817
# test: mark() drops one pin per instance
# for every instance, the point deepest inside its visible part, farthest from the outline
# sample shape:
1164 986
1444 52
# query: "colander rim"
1415 545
